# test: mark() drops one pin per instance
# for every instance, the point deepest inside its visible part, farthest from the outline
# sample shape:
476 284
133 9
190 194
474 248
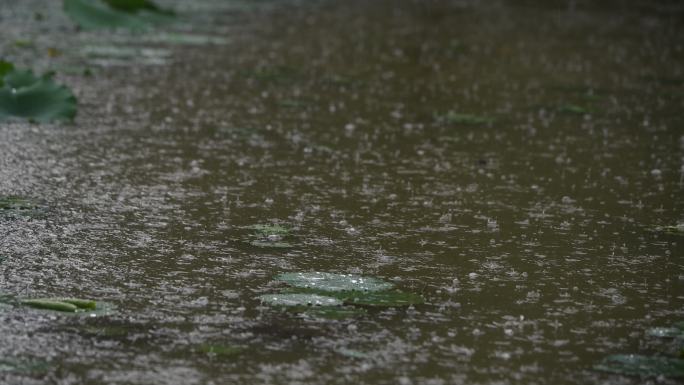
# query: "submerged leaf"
295 299
128 14
638 365
334 282
24 95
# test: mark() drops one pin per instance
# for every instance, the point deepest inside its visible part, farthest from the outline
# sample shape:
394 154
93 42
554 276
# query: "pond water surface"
534 233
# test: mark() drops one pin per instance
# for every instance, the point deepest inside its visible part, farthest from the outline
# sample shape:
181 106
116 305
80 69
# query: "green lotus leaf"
24 95
573 109
299 299
133 6
70 305
126 14
383 299
334 282
22 366
665 332
645 366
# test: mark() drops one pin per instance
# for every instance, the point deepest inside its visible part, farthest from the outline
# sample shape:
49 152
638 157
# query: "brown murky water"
533 236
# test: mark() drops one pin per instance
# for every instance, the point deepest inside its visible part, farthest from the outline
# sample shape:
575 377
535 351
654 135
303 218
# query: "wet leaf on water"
351 353
677 229
334 282
186 39
384 299
16 203
295 299
272 244
126 14
134 6
266 230
5 68
23 95
573 109
453 117
638 365
270 236
665 332
220 350
70 306
22 366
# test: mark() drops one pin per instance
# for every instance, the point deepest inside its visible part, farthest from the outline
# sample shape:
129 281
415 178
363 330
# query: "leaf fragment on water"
126 14
333 282
672 332
294 299
645 366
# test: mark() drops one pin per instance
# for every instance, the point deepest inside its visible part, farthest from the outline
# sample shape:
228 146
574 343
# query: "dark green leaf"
37 98
94 14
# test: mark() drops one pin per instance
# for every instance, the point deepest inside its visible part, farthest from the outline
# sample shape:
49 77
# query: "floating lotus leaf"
352 353
573 109
645 366
70 305
23 95
22 366
384 299
270 230
293 299
334 282
133 6
665 332
126 14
